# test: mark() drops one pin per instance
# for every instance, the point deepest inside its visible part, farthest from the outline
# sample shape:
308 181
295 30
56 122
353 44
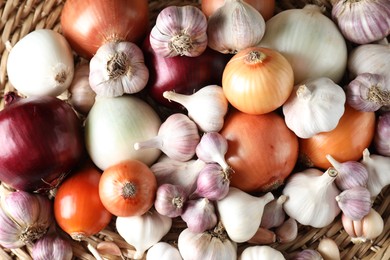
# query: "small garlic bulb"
362 21
235 26
24 218
170 200
179 30
163 251
177 137
350 174
241 213
355 203
382 134
311 196
52 246
118 68
368 228
199 214
378 168
368 92
207 107
314 106
261 252
213 244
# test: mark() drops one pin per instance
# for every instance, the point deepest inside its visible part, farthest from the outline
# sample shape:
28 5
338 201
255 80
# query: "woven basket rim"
19 17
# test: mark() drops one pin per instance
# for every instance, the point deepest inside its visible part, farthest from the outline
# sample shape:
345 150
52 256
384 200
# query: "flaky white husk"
311 198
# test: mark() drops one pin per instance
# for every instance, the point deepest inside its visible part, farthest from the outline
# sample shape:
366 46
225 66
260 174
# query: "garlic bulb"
362 21
52 246
179 30
355 203
81 96
310 41
328 249
368 92
170 200
368 228
314 106
163 251
241 213
212 245
177 137
370 58
24 218
199 215
118 68
382 134
207 107
143 231
350 174
235 26
40 64
183 174
378 168
261 252
311 197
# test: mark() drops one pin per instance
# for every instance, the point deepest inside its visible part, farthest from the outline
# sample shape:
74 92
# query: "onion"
113 126
184 75
88 24
41 141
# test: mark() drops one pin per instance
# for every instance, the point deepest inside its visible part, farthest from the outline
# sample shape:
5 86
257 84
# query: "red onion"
184 75
41 141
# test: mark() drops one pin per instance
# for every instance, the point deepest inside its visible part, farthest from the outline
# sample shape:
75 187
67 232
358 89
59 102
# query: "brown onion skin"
182 74
88 24
41 140
262 151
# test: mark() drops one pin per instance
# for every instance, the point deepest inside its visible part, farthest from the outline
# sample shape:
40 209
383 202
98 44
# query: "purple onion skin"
382 134
41 140
184 75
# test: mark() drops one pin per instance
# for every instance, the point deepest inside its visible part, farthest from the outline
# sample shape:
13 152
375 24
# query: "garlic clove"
350 174
328 249
199 215
274 215
177 137
179 30
355 203
212 183
287 232
307 254
263 236
118 68
108 248
212 148
241 213
170 200
163 251
367 92
261 252
235 26
207 106
368 228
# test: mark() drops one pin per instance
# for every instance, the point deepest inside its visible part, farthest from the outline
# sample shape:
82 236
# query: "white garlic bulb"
314 106
143 231
311 197
261 253
212 245
241 213
163 251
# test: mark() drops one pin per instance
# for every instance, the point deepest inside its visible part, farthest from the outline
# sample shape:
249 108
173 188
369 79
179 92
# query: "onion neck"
255 57
10 98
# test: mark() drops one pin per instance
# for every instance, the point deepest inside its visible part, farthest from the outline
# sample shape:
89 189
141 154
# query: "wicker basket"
19 17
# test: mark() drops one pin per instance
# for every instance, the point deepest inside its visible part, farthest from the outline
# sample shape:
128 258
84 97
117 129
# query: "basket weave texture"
19 17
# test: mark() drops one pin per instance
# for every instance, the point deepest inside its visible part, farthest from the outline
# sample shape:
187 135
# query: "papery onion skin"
88 24
184 75
346 142
41 140
262 151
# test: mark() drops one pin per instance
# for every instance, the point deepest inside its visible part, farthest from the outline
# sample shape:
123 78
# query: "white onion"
40 64
310 41
113 126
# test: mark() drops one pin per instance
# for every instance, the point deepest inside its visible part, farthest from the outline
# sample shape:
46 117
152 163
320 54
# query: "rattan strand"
19 17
